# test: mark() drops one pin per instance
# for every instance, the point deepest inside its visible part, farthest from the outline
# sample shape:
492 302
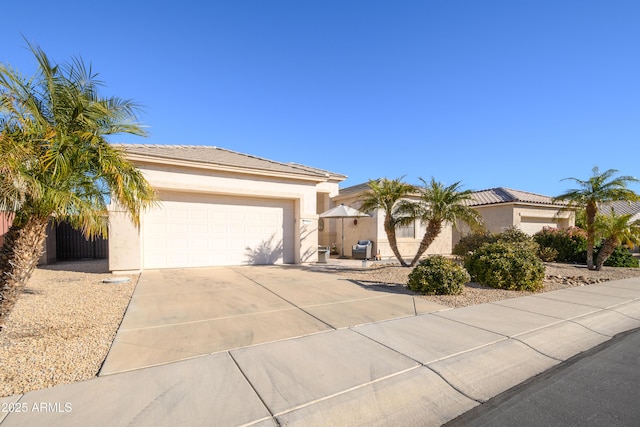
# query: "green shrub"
438 275
547 254
570 243
471 242
517 236
502 265
621 257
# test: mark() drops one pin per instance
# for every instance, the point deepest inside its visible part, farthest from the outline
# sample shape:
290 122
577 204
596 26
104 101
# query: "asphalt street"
600 387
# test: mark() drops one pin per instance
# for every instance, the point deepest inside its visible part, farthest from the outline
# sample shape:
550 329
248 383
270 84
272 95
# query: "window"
406 231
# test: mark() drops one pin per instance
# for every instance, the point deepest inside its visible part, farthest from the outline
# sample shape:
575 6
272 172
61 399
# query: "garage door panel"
199 229
194 231
178 228
532 225
177 214
199 216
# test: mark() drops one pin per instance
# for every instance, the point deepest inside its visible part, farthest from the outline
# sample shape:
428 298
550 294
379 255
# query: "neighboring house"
501 208
504 207
220 207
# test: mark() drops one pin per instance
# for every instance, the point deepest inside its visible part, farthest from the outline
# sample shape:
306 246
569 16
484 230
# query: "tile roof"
482 197
622 208
222 157
359 188
321 171
507 195
354 189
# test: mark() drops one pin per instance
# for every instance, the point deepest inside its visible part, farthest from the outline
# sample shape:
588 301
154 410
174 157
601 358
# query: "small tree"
438 205
616 230
600 188
389 195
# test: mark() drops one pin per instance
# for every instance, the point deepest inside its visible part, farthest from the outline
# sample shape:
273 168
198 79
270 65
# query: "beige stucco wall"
496 218
408 247
125 246
532 219
325 191
125 249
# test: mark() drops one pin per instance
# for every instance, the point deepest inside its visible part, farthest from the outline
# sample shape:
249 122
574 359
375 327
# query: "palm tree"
600 188
57 163
389 196
438 205
616 230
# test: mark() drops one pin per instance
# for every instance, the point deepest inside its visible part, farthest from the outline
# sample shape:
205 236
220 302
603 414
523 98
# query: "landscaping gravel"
61 329
62 326
557 276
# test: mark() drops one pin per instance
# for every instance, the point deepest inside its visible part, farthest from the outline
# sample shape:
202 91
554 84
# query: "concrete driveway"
184 313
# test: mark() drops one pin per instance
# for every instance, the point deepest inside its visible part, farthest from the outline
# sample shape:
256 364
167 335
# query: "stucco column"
125 246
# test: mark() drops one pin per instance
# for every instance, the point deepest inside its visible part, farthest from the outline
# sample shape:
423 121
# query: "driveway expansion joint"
251 385
287 301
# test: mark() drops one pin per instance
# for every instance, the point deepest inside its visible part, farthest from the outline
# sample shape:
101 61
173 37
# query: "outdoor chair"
362 250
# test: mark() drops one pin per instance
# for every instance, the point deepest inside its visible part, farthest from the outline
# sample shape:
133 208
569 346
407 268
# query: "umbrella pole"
343 239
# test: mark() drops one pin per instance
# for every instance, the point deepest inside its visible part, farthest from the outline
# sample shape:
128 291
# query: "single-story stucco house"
500 208
220 207
505 207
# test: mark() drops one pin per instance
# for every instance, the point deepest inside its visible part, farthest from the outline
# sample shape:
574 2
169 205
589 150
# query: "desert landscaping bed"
63 325
557 276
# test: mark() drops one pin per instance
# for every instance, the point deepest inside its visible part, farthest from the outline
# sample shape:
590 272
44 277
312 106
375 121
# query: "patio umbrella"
343 212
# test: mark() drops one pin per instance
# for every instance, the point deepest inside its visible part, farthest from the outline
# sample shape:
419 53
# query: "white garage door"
200 230
531 225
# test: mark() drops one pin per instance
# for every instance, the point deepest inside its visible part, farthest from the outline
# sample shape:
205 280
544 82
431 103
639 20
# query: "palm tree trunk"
591 211
390 229
23 246
608 247
433 230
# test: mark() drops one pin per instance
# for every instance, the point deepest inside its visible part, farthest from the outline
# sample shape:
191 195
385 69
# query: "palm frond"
70 171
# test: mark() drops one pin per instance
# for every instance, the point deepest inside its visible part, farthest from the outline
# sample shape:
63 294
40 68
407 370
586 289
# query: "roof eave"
223 168
518 202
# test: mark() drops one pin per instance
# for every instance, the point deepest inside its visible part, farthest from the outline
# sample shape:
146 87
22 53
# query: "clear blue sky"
506 93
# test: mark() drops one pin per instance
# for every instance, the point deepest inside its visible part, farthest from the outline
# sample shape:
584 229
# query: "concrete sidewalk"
596 388
413 369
